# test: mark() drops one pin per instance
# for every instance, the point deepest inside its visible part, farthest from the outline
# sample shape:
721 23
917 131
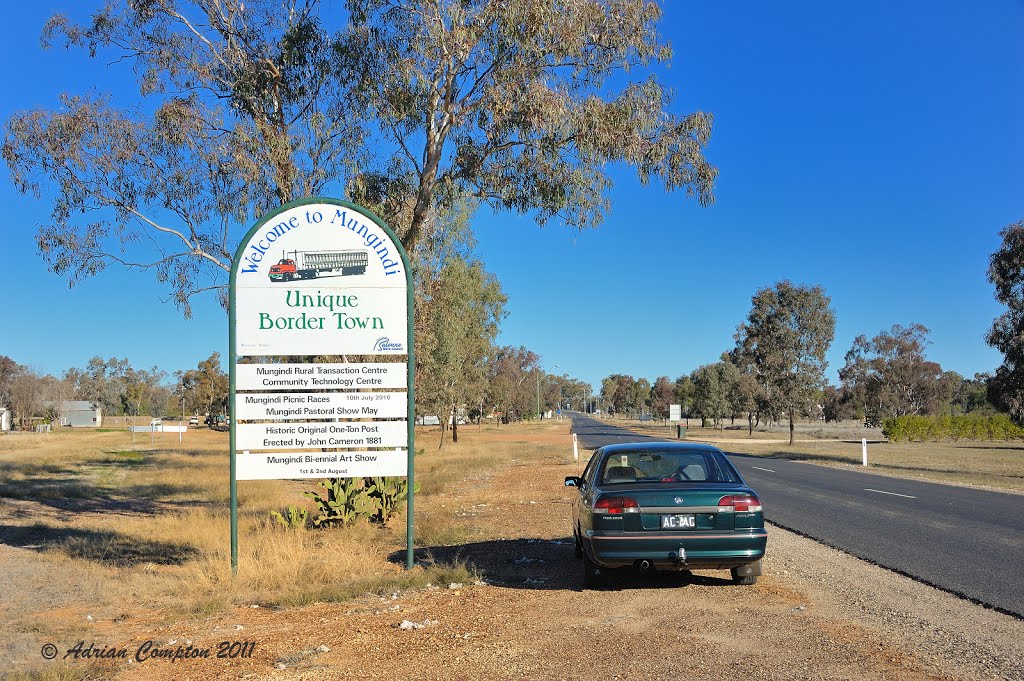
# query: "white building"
80 414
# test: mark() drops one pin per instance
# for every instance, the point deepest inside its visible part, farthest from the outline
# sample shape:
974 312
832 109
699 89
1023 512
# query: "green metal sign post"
342 286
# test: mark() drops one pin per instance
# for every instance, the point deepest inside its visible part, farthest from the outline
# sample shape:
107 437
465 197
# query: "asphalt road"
966 541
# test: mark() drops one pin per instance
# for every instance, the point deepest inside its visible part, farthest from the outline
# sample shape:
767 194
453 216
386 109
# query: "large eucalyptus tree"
403 106
787 333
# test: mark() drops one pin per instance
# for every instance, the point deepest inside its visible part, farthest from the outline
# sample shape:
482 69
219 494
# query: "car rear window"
665 466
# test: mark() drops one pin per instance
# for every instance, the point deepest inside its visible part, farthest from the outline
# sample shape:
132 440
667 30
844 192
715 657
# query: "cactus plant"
346 500
296 519
387 493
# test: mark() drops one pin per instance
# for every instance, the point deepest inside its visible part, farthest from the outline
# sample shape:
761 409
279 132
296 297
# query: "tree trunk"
791 426
455 425
425 192
444 427
750 424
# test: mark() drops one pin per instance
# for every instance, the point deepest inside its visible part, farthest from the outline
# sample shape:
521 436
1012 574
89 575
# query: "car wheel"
743 580
593 575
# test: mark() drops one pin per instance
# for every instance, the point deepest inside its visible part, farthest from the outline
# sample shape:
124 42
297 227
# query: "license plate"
678 522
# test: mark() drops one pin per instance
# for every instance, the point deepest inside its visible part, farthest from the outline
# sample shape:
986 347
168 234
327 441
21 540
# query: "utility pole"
559 398
540 415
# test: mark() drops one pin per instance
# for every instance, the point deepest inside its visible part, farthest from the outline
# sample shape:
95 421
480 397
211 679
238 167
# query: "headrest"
620 473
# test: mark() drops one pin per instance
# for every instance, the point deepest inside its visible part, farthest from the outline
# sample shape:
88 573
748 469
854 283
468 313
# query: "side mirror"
572 481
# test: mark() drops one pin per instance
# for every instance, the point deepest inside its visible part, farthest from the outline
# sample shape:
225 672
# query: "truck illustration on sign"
311 264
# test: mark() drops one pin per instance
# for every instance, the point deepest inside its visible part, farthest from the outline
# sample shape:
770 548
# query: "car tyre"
742 580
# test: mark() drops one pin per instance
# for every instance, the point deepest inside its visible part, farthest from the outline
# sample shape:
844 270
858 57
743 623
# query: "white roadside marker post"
864 450
575 449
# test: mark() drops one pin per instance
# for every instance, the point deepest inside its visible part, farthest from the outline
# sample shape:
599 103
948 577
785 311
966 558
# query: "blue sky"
874 148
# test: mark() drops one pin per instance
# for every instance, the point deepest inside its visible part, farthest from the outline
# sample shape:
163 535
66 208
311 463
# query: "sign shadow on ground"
544 565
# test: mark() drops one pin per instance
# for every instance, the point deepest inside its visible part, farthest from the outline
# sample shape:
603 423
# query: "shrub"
934 428
893 430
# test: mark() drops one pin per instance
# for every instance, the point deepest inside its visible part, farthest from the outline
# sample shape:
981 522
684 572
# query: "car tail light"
740 503
616 505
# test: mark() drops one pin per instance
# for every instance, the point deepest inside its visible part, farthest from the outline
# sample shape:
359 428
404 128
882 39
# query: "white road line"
763 469
905 496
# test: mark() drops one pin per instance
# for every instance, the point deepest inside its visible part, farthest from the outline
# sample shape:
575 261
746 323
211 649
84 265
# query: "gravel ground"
946 634
818 614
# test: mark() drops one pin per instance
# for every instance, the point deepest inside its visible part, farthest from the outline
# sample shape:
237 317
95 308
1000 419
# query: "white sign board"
295 466
675 412
320 376
291 406
319 278
332 435
159 429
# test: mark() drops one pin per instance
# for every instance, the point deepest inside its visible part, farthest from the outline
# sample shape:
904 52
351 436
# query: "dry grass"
150 526
998 465
451 512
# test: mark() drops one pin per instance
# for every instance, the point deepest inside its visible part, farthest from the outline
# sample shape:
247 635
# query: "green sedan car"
666 506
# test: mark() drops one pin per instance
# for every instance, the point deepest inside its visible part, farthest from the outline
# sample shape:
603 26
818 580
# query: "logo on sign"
384 344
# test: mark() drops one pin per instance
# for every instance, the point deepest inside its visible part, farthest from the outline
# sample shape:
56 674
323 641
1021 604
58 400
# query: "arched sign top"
317 277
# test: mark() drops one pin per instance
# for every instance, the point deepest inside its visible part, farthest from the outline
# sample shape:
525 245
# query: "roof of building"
78 405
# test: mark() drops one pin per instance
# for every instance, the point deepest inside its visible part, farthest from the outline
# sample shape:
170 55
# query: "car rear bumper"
708 550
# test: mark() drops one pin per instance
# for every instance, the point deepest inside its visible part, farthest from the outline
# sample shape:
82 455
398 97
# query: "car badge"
679 500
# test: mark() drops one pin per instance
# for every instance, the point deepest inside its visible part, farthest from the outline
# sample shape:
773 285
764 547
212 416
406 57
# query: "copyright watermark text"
151 650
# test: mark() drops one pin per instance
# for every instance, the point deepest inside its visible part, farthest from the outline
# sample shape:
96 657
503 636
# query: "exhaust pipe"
645 565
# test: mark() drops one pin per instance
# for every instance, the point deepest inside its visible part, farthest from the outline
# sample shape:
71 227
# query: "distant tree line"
776 372
113 385
504 382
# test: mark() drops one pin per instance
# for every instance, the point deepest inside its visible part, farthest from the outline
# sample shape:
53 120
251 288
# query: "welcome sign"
320 277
